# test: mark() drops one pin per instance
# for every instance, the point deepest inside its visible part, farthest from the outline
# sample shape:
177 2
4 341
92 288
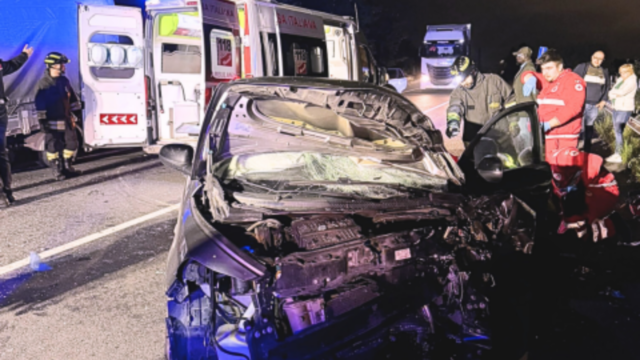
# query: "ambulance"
145 78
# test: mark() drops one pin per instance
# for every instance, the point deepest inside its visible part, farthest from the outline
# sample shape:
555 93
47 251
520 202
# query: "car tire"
42 159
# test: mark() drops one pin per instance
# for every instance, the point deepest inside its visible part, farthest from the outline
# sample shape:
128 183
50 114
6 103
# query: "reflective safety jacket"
476 106
55 100
562 99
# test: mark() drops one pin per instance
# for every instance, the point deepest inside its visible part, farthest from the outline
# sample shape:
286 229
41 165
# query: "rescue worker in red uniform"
55 102
587 193
561 101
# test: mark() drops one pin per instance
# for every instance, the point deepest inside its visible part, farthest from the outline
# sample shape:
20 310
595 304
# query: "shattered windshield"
340 174
356 143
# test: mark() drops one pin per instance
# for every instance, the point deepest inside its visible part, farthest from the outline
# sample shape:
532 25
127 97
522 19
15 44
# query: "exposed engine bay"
343 199
403 284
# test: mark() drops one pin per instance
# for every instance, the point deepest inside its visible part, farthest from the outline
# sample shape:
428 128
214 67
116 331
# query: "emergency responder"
6 68
56 101
587 193
560 99
477 98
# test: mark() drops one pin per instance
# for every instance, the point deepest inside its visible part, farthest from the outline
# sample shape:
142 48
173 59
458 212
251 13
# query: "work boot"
57 169
8 196
70 171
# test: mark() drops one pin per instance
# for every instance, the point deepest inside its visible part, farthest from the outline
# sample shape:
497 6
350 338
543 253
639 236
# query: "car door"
507 155
111 50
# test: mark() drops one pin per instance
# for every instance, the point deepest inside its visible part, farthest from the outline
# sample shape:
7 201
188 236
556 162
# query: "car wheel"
42 159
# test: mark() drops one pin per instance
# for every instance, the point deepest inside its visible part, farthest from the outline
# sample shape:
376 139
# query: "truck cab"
441 46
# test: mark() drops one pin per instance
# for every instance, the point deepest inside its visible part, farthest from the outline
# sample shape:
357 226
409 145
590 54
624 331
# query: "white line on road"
436 107
88 239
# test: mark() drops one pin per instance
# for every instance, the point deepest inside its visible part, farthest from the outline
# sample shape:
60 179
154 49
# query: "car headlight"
99 54
425 77
117 55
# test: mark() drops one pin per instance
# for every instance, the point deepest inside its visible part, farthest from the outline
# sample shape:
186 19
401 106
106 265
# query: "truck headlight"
425 77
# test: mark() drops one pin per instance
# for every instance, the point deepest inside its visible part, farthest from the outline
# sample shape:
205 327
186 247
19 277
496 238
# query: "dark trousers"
58 141
5 166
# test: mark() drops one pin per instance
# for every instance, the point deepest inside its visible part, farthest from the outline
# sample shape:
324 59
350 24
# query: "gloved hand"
529 86
453 128
546 126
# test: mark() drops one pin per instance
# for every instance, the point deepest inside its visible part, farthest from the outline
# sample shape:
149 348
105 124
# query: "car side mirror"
491 169
178 157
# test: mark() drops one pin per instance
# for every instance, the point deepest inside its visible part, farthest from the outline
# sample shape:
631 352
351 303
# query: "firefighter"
587 193
477 98
6 68
561 100
56 101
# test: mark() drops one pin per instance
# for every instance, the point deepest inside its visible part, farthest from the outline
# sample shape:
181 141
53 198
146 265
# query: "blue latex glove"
546 126
529 86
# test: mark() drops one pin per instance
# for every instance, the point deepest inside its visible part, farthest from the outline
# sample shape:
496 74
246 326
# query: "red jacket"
562 99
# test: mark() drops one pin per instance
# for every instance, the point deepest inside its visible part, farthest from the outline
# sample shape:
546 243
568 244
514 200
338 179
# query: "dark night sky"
574 27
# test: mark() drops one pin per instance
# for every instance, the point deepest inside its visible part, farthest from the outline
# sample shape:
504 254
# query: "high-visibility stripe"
613 183
52 156
562 136
558 102
594 79
68 154
57 124
453 116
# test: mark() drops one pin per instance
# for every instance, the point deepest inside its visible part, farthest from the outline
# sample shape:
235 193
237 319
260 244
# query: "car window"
511 139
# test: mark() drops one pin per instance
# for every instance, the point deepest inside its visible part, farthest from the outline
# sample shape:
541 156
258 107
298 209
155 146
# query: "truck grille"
440 75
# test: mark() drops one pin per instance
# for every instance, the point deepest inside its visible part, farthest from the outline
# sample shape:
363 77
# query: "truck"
441 46
145 76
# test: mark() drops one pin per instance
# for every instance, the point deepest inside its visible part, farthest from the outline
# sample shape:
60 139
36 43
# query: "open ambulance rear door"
111 49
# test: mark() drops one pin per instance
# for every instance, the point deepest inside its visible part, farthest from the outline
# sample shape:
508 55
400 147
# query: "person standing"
6 68
478 97
55 102
598 84
623 98
561 101
523 58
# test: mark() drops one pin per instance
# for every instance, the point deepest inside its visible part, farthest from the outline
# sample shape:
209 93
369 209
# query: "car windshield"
439 49
343 147
335 173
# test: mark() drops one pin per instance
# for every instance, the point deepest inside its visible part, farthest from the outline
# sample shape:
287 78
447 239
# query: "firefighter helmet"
54 58
463 67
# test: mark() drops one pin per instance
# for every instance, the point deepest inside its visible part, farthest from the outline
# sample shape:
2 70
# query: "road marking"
88 239
436 107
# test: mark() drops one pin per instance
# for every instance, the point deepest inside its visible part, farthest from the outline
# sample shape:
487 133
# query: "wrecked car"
325 220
